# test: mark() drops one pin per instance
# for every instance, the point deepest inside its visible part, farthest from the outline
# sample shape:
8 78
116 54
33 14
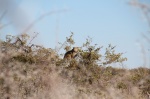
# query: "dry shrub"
29 71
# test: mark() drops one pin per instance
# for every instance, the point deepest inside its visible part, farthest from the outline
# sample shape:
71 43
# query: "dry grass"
34 72
36 75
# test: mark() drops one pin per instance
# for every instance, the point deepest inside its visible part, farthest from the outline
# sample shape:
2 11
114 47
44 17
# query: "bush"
29 69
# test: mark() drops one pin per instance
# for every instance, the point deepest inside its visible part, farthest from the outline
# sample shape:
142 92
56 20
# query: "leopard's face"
75 49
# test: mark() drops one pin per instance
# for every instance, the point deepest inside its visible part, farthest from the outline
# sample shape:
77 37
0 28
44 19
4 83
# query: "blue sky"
105 21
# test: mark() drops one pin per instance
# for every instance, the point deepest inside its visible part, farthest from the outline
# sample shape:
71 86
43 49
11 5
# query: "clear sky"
105 21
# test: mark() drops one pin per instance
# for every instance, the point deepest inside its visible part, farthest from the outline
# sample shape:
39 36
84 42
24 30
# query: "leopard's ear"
75 49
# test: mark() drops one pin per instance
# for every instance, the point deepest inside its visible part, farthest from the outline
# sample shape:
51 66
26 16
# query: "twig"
61 46
144 36
41 17
3 14
33 38
144 7
5 25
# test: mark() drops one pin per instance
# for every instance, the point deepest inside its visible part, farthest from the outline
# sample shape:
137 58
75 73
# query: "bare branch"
5 25
33 38
41 17
3 14
145 8
144 36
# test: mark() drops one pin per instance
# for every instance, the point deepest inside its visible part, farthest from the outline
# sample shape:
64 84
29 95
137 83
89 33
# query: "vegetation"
29 71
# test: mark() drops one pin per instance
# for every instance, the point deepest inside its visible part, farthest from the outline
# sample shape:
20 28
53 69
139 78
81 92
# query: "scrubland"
29 71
